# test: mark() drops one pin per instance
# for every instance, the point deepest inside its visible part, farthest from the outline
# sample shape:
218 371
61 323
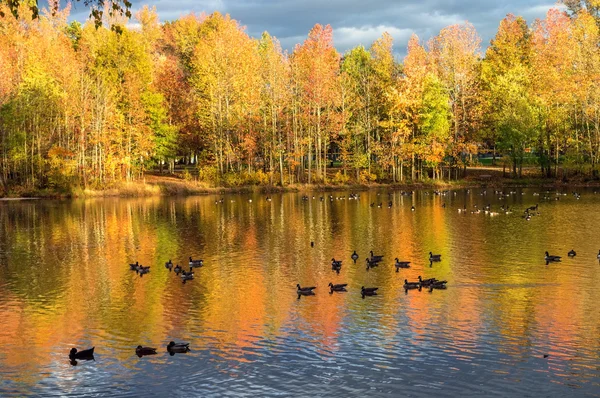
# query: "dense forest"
96 104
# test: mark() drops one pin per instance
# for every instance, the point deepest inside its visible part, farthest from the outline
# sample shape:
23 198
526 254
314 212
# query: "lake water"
65 282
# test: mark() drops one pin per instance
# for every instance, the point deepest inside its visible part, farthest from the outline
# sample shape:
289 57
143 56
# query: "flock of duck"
87 355
185 275
373 261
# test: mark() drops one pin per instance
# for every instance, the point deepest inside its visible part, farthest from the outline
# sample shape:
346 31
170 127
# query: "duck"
177 269
438 285
174 347
305 289
598 256
169 265
572 253
411 285
84 354
549 258
141 351
196 263
341 287
435 257
186 276
336 263
371 263
306 293
427 282
401 264
354 256
375 258
142 270
134 267
368 291
412 208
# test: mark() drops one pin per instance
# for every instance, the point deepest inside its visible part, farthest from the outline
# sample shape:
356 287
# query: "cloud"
348 37
354 21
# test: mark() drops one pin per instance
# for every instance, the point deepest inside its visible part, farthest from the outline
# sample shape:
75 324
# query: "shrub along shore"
174 185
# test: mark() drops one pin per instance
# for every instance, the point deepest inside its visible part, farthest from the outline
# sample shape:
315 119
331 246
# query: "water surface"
65 282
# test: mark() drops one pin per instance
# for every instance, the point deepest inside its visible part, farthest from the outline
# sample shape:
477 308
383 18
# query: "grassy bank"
163 185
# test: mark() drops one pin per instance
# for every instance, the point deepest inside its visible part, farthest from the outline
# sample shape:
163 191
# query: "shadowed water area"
65 282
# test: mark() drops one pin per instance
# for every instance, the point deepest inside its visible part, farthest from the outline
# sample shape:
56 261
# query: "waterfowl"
141 351
371 263
142 270
435 257
336 263
598 256
375 258
305 293
368 289
354 256
312 244
134 267
186 276
551 258
438 285
169 265
196 263
411 285
173 347
85 354
177 269
426 282
412 208
572 253
401 264
305 289
341 287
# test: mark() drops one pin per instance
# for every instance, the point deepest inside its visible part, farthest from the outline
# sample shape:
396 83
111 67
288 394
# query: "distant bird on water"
174 347
550 258
435 257
84 354
141 351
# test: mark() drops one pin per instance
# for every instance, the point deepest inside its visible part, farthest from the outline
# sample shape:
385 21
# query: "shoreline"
171 186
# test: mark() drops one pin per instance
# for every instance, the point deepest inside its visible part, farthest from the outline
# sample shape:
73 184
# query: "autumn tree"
317 67
455 54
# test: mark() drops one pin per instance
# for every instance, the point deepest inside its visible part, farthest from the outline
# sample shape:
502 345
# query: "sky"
354 22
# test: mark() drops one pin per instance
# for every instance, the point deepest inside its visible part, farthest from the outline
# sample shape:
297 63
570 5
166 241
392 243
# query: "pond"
507 324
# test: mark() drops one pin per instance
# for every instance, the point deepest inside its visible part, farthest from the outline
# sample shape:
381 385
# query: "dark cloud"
354 21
